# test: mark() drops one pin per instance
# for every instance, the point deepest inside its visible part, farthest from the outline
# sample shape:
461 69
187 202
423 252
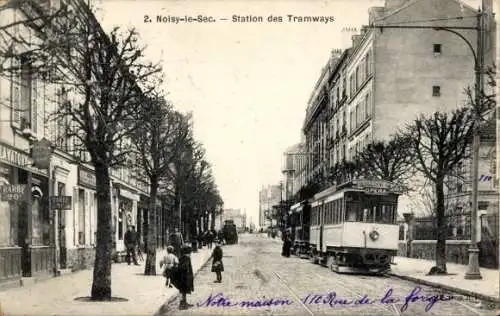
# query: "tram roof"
360 185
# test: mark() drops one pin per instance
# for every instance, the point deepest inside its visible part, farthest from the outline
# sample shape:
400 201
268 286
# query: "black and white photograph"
249 157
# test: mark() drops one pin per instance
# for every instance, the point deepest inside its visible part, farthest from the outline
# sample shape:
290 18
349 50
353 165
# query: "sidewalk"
145 294
415 270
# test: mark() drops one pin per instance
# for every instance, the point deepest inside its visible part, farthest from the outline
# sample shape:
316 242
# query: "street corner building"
48 217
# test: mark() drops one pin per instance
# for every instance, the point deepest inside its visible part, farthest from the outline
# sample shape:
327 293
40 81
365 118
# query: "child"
217 265
171 262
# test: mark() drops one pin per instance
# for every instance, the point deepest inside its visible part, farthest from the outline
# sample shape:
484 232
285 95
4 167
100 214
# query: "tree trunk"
150 267
205 221
441 227
101 283
212 221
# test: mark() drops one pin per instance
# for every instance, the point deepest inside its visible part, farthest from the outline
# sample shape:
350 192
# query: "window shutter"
16 95
34 105
75 215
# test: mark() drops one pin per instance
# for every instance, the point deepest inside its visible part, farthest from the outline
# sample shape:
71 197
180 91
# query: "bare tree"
440 143
157 141
15 35
110 78
390 161
345 170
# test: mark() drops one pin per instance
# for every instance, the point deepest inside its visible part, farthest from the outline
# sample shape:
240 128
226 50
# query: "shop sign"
86 178
18 159
13 192
41 153
60 202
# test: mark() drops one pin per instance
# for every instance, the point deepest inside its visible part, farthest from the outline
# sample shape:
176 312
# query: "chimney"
355 40
391 4
374 13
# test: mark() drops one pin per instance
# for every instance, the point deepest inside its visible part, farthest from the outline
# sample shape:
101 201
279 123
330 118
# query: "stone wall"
81 258
456 250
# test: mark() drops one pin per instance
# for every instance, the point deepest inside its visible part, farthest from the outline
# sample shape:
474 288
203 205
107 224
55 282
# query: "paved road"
255 272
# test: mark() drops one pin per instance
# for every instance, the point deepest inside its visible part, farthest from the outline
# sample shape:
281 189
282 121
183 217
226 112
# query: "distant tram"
351 227
230 232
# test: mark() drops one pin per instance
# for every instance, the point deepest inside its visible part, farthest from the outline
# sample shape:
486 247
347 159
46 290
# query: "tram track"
348 288
358 288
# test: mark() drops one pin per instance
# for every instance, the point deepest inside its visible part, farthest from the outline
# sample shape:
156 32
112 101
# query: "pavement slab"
56 296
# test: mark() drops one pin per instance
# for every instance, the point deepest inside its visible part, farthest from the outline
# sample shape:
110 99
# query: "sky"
247 84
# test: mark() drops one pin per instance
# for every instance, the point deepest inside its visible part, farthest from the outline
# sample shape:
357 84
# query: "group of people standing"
178 272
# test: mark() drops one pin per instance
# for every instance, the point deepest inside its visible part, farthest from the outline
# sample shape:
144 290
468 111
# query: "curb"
447 288
161 310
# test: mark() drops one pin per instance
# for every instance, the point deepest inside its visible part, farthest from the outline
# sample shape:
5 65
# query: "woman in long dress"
184 280
217 265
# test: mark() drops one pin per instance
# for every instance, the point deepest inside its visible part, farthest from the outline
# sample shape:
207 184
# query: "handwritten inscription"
219 300
332 299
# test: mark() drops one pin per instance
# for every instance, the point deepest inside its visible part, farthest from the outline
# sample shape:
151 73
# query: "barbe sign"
13 192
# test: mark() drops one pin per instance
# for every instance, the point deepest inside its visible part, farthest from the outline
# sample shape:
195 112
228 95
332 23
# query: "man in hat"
130 240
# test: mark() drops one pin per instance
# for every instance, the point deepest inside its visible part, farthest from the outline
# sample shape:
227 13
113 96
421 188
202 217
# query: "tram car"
230 232
300 226
353 226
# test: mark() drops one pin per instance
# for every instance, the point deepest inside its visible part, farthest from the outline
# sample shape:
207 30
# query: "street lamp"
473 271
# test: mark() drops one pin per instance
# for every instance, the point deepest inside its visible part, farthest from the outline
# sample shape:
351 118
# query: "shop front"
25 226
81 254
125 202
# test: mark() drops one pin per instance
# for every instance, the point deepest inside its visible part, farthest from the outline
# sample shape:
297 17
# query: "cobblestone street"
255 272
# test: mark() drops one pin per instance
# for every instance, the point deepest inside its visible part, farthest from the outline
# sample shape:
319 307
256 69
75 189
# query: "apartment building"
28 236
269 196
294 166
388 77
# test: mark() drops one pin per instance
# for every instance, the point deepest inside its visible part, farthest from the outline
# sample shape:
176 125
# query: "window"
352 120
81 217
60 138
357 78
368 66
436 91
368 107
437 49
24 91
352 83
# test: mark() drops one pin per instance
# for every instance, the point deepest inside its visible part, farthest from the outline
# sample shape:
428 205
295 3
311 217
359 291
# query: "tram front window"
375 214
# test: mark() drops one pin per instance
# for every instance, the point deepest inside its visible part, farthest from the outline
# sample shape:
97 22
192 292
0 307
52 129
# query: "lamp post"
473 271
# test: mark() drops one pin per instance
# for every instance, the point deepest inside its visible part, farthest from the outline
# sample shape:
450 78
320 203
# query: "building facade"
294 166
387 78
29 230
268 197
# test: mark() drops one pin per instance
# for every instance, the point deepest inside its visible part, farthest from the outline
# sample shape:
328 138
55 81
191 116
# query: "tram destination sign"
378 186
13 192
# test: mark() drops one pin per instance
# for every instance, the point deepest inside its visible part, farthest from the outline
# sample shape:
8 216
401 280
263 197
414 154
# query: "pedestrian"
217 265
287 244
171 262
210 239
130 240
184 278
175 240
